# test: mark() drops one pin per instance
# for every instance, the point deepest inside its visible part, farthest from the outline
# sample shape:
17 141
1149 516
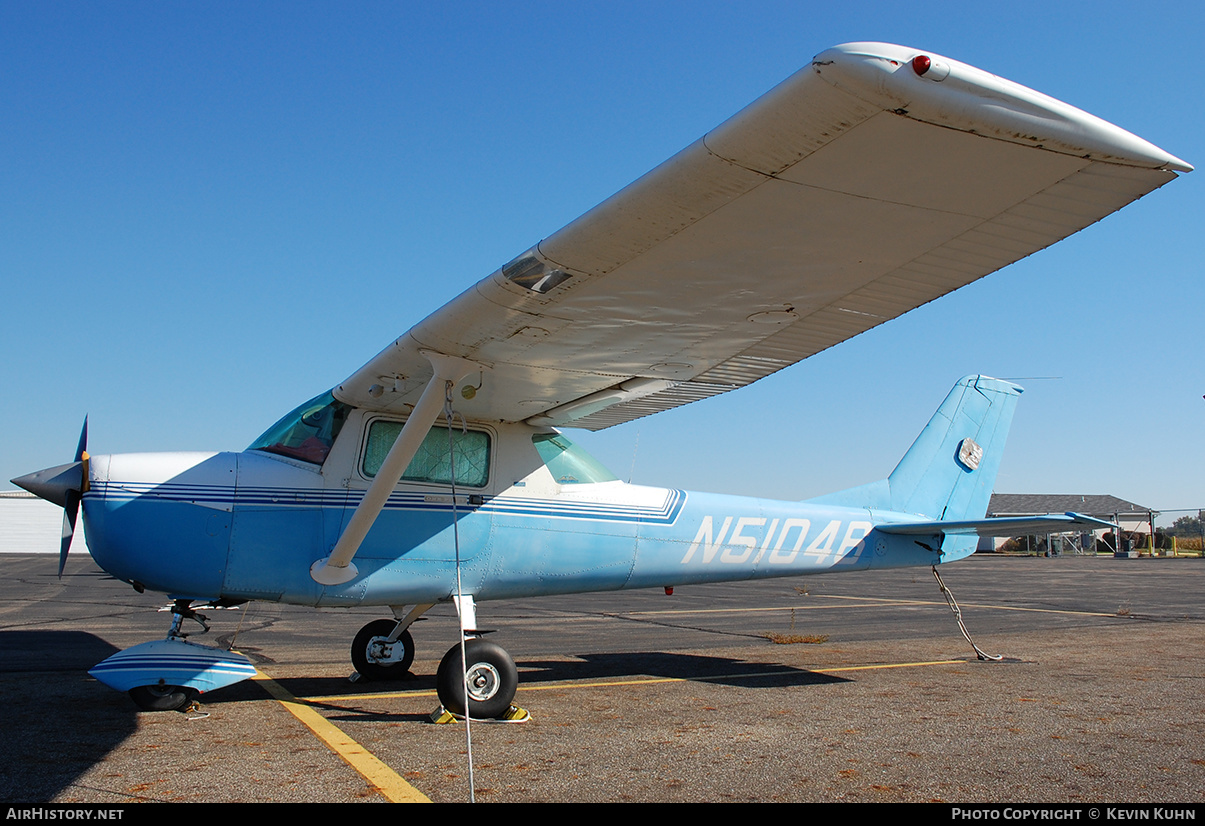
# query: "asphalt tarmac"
870 694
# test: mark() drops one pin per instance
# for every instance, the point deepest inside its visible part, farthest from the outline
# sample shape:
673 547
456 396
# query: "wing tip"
961 96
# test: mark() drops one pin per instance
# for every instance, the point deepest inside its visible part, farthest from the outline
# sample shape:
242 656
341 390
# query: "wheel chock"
441 715
513 715
194 711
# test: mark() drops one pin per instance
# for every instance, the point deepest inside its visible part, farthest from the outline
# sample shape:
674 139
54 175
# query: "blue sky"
210 212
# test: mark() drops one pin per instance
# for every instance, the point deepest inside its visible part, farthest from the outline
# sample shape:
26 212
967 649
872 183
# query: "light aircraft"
874 180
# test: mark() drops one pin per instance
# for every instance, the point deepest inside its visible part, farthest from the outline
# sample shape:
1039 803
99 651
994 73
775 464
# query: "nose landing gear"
169 674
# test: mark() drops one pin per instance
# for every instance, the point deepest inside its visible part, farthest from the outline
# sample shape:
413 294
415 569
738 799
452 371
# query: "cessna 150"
876 179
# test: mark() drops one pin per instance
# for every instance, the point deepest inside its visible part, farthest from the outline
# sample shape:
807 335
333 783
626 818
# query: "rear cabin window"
433 462
568 463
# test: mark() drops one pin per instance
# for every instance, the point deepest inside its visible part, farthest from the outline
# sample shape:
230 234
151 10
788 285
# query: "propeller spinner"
63 485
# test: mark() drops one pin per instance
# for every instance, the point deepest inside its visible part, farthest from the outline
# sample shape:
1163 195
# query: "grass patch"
795 639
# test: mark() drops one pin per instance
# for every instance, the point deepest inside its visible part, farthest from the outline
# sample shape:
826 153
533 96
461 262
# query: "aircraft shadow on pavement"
721 670
617 666
620 666
59 722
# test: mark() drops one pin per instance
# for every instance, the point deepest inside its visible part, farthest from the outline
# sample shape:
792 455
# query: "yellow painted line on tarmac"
863 602
672 611
559 686
888 665
382 778
978 605
375 695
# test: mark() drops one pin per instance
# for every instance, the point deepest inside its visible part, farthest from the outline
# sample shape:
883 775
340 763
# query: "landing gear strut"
384 650
486 669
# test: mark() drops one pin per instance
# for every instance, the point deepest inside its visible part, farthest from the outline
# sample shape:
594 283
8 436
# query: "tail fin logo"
969 453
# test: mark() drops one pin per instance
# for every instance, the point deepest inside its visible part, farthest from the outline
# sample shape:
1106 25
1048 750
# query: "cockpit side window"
568 463
433 463
308 432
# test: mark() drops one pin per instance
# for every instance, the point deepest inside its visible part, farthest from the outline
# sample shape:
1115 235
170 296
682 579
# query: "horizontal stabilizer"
1008 526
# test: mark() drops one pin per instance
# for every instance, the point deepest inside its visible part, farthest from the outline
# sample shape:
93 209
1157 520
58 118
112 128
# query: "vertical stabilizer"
950 470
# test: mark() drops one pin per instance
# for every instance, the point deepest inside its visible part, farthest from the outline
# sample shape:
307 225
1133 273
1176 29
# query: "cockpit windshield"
568 463
308 432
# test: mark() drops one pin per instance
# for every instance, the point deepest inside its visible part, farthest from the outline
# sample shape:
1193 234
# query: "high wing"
872 181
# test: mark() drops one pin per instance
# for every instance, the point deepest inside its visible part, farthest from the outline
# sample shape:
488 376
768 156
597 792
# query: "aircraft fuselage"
248 525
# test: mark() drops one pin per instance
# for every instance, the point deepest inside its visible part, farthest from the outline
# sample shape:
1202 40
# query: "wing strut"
338 567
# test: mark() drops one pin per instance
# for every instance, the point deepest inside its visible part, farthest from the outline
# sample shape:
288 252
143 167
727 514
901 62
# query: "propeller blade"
81 450
71 506
70 509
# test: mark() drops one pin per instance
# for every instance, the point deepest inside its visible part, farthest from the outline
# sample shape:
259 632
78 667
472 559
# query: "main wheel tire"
492 677
377 661
163 697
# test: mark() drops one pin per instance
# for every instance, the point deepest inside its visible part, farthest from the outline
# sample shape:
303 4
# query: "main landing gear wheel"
492 677
163 697
377 659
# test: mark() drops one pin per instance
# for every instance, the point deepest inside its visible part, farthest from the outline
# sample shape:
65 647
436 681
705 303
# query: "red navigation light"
921 64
